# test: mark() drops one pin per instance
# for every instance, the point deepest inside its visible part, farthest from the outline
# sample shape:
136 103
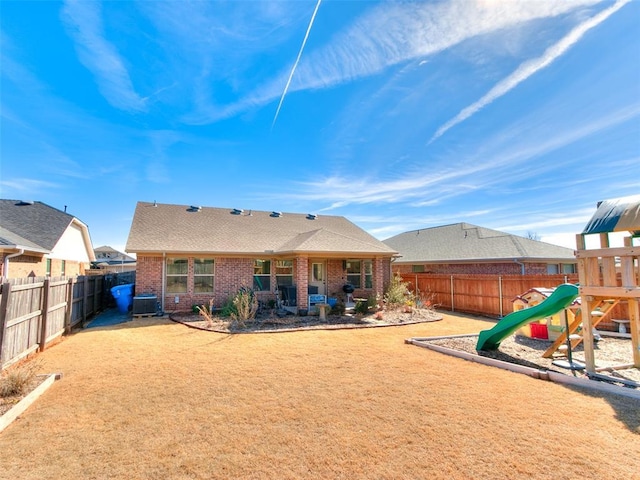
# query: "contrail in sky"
286 87
526 69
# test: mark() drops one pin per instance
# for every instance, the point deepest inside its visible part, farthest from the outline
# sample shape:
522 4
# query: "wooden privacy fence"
36 311
489 295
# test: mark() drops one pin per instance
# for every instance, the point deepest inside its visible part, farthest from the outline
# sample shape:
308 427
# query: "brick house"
189 255
109 259
37 240
462 248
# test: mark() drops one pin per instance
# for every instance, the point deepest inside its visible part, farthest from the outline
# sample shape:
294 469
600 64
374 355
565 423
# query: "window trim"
211 275
175 275
258 278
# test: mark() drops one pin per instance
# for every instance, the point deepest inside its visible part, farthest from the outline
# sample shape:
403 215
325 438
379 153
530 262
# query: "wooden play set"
608 276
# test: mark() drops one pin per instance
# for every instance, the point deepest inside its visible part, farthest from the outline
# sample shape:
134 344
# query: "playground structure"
548 328
610 275
607 276
563 296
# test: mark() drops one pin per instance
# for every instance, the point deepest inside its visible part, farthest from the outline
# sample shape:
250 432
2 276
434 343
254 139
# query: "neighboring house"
39 240
469 249
189 255
111 260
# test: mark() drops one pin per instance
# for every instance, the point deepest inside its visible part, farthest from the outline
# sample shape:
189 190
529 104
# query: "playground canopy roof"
616 215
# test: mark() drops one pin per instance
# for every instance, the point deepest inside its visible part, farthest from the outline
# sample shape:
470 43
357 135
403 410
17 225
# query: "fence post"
6 293
452 296
95 296
67 319
500 295
85 299
45 309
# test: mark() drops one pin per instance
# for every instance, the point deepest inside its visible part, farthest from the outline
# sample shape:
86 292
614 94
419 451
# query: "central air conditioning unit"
145 304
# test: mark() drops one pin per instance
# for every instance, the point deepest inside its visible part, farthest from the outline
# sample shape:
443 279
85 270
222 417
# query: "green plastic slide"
561 298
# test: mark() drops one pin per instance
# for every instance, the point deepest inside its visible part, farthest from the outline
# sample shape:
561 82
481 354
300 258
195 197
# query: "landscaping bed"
271 322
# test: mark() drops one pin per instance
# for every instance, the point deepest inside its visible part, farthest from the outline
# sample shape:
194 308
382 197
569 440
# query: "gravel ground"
609 351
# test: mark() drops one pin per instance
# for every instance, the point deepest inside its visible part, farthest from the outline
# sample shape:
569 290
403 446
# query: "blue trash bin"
123 295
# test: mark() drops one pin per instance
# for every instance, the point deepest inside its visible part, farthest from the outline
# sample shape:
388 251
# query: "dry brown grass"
155 399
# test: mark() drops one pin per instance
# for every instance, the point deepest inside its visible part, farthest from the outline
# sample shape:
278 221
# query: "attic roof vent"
194 208
21 203
237 211
311 216
276 214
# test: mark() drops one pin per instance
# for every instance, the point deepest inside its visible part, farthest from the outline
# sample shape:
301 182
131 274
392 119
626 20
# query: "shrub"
398 293
16 380
246 306
363 308
338 309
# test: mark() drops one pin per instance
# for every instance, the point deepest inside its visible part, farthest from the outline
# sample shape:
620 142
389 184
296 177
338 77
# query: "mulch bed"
271 322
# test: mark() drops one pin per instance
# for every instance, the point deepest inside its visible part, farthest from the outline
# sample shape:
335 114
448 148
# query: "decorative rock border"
19 408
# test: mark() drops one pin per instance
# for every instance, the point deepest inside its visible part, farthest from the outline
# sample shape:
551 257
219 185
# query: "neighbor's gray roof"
176 229
463 242
109 254
33 225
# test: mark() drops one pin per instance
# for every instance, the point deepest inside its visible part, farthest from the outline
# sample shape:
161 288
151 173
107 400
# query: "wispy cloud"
496 162
391 34
530 67
27 186
295 64
84 23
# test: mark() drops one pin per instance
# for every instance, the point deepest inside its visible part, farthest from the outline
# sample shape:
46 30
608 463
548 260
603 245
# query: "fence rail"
488 295
36 311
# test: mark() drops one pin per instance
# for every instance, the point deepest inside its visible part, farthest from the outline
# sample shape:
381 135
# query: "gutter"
5 266
164 266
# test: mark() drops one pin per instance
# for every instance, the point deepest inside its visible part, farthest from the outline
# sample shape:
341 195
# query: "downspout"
164 265
521 266
5 267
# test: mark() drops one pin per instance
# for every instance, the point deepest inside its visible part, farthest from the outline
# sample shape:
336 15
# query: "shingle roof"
462 242
178 228
35 223
109 254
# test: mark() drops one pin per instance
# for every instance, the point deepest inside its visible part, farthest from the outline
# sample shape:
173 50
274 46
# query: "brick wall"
506 268
230 274
32 266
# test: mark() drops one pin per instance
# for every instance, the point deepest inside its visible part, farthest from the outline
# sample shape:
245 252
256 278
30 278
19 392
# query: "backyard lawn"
155 399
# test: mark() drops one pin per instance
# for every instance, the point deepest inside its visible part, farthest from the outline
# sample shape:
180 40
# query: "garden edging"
532 372
19 408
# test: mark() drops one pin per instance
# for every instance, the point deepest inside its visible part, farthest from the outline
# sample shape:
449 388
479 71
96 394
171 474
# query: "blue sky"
517 116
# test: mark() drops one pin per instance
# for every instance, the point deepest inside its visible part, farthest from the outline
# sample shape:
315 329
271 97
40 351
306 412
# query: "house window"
368 274
417 268
353 272
262 275
63 267
48 268
203 275
568 268
284 272
177 271
552 268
